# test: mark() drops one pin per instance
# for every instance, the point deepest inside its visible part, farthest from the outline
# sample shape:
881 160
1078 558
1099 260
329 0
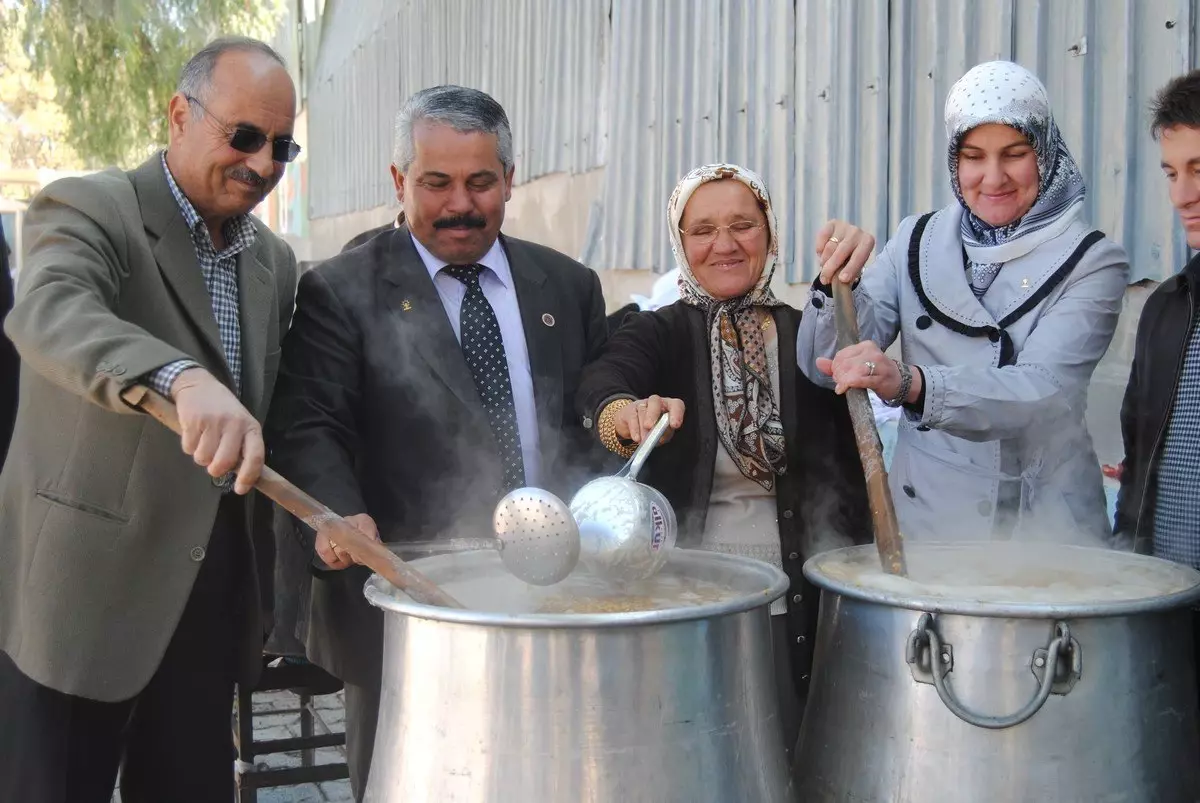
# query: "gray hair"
465 110
196 76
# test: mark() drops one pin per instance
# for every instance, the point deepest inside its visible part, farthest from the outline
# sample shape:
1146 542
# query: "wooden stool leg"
308 755
244 741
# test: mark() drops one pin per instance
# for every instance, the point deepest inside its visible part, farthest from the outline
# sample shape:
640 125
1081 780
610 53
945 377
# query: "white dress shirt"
497 285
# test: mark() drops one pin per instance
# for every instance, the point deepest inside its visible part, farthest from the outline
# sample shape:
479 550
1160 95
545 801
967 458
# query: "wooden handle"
271 484
888 540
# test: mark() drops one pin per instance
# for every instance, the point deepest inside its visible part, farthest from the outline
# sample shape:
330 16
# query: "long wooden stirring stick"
370 553
888 540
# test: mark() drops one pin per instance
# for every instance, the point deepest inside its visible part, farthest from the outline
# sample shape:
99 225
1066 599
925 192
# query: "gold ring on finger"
333 546
834 240
870 368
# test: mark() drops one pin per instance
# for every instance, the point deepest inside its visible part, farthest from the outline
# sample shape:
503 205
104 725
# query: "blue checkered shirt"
220 277
1177 498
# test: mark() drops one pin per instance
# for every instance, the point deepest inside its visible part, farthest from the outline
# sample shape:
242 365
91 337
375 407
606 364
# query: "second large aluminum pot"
658 706
1014 673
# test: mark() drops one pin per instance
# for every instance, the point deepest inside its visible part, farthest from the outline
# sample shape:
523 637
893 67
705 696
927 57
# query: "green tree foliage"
115 62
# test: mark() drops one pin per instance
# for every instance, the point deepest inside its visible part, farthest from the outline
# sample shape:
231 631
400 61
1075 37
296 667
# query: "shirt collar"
494 260
240 233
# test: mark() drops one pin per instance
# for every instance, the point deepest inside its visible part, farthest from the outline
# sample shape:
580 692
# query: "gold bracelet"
606 426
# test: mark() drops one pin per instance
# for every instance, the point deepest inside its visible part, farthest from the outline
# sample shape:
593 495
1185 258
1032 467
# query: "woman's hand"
844 250
634 421
864 366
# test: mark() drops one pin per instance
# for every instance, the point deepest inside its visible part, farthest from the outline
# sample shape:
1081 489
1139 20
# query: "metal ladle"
536 536
627 529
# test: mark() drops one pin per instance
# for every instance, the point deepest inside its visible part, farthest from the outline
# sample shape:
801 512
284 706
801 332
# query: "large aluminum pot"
1007 672
499 703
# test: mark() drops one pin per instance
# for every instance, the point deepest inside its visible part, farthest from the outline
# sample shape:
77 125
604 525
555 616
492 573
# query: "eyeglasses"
247 140
740 230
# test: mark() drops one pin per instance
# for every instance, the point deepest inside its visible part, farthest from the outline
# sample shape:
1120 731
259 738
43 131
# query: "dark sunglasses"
247 140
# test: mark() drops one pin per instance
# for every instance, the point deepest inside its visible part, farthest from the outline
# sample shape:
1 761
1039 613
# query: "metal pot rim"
383 595
1017 610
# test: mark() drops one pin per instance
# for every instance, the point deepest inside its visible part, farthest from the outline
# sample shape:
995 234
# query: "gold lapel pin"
547 319
406 305
1024 284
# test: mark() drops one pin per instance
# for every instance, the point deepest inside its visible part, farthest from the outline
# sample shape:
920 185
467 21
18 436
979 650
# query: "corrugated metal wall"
838 104
544 60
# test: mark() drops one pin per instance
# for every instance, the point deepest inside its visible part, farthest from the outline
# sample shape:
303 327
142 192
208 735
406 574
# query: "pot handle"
926 646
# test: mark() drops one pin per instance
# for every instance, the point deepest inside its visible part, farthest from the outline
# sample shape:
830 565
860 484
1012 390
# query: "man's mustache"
460 222
243 173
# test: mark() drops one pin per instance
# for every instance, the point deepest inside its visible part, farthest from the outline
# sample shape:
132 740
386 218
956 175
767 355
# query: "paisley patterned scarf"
747 411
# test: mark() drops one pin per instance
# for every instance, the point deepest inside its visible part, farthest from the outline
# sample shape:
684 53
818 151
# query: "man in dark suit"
428 372
10 363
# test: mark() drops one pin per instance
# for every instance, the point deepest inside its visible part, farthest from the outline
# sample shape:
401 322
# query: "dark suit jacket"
10 364
376 411
821 499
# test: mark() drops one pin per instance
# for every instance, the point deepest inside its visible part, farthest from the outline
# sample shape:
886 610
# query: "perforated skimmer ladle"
536 536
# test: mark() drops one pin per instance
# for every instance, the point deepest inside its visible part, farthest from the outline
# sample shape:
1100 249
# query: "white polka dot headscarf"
1007 93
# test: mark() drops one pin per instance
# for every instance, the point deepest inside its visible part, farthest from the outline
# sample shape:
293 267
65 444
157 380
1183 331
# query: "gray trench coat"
1001 449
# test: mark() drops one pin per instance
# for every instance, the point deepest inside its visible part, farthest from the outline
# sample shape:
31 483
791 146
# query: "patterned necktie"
483 349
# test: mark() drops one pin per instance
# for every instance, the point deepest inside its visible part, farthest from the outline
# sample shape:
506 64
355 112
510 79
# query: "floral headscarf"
746 408
1006 93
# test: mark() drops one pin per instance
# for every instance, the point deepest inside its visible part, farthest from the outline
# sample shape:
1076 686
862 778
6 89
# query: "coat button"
923 428
924 322
197 553
994 335
794 556
787 514
797 599
909 492
587 423
799 639
985 508
216 481
818 302
118 371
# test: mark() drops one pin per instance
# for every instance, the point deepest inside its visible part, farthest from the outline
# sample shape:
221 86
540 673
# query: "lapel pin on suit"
406 305
547 319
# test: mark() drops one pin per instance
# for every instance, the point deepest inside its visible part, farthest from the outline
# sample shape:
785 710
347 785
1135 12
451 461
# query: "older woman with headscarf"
763 464
1003 302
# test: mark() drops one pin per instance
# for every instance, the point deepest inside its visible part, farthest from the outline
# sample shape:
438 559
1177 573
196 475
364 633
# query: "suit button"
787 514
909 492
197 553
587 423
118 371
797 599
985 508
799 639
794 556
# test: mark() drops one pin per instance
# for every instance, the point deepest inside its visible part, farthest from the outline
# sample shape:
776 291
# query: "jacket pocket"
83 507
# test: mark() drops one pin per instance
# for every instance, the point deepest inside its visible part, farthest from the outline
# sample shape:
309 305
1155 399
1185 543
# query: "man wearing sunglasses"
130 578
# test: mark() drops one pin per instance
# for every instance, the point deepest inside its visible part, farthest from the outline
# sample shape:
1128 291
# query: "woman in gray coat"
1003 303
